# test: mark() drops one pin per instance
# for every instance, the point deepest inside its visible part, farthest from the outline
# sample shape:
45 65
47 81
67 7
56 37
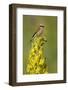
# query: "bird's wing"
35 32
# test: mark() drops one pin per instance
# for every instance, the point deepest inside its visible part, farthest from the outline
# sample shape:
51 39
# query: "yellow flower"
32 72
45 71
36 58
36 48
32 51
29 67
41 62
36 63
40 52
38 70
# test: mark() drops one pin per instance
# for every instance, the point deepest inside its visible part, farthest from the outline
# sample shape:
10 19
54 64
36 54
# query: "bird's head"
41 26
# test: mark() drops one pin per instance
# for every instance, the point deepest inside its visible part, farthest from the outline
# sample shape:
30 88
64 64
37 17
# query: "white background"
4 44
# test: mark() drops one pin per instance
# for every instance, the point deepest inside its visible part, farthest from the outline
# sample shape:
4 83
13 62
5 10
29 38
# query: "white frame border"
42 77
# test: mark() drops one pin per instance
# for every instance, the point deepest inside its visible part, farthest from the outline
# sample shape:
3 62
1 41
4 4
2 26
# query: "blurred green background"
30 25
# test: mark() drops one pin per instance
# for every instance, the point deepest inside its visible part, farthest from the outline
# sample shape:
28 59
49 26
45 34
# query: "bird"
39 31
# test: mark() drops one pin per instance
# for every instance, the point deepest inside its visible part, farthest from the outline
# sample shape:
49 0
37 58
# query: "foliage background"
30 25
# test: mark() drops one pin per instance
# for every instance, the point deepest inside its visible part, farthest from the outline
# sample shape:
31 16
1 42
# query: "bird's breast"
40 32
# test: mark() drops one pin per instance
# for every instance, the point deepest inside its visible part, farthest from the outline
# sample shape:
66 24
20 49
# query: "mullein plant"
36 61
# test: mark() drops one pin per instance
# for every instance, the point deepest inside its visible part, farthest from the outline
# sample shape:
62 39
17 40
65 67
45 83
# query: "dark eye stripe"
41 26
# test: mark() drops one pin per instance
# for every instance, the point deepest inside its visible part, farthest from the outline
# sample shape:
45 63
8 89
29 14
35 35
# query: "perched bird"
39 31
